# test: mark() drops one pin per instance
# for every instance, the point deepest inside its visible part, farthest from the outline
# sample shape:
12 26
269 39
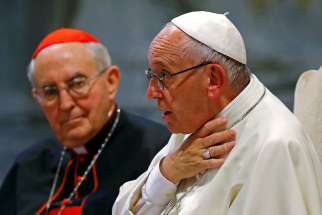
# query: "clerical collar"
240 106
93 145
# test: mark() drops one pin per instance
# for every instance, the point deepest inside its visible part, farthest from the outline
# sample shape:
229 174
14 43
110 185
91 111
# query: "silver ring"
206 154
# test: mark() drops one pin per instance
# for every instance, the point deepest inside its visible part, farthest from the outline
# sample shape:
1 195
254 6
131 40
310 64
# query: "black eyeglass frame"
165 74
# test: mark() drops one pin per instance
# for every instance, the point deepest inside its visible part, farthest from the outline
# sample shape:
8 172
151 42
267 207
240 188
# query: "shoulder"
273 128
285 138
34 160
46 149
275 122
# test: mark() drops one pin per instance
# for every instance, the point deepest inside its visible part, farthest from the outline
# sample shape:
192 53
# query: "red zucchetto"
64 35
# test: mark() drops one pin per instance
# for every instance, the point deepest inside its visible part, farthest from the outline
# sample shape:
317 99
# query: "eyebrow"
46 84
75 75
165 68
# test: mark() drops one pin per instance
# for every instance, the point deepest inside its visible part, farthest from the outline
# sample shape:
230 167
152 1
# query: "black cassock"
128 153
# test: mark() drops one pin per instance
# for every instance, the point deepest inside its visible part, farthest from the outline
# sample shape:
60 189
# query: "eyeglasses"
78 87
164 74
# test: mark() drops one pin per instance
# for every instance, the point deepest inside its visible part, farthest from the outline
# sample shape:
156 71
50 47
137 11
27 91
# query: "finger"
214 125
218 138
213 163
220 150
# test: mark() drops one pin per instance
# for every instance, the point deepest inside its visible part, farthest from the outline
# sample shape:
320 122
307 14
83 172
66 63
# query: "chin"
70 144
75 138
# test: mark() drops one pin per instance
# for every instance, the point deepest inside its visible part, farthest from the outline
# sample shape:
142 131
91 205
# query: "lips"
72 123
71 120
75 119
166 115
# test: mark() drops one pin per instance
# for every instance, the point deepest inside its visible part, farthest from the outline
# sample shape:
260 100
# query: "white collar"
81 150
239 107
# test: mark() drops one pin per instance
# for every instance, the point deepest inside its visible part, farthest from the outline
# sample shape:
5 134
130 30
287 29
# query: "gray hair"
101 56
238 73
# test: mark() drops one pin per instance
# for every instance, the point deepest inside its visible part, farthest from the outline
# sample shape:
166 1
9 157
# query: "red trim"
95 179
83 203
96 183
74 210
43 207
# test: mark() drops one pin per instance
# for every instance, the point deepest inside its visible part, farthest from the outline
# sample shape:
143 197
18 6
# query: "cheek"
192 109
89 108
52 115
96 109
189 103
93 103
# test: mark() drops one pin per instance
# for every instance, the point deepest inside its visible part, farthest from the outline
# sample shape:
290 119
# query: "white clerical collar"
80 150
239 107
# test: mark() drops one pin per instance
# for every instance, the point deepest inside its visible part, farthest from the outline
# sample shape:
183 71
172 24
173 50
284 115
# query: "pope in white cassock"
198 72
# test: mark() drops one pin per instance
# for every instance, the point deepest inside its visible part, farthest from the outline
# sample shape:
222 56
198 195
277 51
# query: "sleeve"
156 194
8 193
286 180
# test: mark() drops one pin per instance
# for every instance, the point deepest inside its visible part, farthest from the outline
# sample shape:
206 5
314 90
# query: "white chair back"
308 105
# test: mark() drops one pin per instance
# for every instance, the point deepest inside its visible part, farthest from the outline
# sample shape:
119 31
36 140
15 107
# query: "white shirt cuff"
158 190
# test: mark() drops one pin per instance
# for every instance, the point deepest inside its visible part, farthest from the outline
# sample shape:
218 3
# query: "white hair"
100 53
238 73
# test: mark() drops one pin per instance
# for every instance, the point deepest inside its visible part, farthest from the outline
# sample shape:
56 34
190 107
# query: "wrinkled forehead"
170 44
64 54
65 50
64 60
170 37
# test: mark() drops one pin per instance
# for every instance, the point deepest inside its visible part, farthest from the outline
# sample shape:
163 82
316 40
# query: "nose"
153 91
66 102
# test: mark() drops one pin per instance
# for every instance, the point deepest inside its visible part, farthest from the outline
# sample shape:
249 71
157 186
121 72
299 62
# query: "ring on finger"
206 154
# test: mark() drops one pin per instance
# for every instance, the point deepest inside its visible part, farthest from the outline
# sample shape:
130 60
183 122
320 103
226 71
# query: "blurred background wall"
283 38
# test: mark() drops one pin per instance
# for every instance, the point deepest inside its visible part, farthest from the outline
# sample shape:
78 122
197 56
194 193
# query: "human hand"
189 159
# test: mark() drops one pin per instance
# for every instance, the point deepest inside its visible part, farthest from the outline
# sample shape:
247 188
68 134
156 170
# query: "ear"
218 79
112 77
34 94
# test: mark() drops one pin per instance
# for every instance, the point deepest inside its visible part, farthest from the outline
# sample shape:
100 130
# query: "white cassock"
273 169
